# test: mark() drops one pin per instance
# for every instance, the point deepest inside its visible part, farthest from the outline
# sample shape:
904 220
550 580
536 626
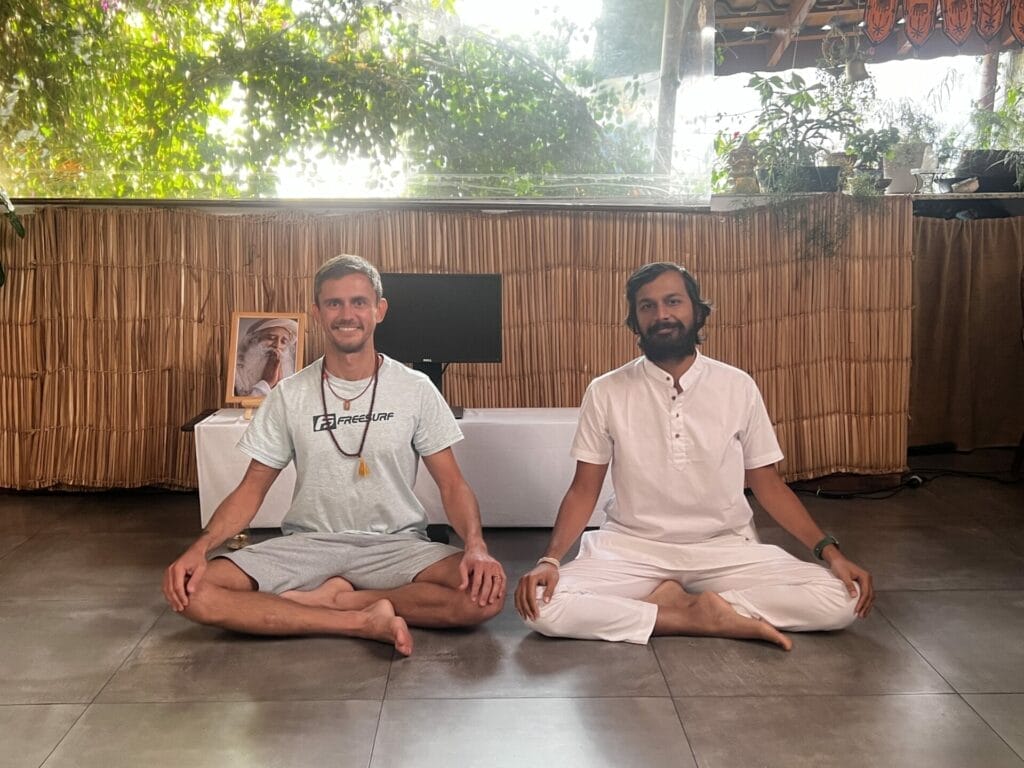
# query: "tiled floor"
96 671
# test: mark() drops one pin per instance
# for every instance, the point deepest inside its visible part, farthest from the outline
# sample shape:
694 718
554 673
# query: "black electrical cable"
913 479
997 477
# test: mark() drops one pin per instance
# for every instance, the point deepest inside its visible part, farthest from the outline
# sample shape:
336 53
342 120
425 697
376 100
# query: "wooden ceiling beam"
805 37
793 21
749 55
778 20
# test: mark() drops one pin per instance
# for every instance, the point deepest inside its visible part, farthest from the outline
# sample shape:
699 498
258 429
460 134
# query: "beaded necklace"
346 402
364 470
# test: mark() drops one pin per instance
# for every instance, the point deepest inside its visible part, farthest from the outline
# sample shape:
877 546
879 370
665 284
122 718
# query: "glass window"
432 99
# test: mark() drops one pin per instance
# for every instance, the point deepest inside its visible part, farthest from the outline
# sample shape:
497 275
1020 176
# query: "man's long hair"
649 272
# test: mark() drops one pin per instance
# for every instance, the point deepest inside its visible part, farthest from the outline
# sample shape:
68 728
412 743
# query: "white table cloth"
515 459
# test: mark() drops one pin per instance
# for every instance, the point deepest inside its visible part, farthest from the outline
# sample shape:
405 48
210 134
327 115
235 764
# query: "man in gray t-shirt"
356 559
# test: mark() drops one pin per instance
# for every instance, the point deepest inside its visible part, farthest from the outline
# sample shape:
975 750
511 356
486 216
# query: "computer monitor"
436 319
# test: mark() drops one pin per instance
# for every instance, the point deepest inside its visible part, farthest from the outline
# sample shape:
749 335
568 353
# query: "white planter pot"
905 159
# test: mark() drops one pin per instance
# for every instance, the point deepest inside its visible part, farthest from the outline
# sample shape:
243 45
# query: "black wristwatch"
820 546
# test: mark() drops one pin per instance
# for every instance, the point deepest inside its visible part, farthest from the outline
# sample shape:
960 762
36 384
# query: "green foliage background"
203 99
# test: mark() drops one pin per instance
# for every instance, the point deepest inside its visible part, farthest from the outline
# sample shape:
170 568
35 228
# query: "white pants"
599 594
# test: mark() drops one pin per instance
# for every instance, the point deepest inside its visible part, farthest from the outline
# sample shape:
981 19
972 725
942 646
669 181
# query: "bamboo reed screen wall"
114 322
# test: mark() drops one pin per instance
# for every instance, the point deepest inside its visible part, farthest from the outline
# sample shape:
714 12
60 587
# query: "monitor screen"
441 318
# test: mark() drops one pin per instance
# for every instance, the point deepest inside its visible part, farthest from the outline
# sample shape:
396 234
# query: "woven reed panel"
114 324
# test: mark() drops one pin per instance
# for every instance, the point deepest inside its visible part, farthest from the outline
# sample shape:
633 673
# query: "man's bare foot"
324 596
385 626
668 594
724 621
681 613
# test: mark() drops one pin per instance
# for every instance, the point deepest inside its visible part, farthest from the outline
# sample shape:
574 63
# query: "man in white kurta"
684 435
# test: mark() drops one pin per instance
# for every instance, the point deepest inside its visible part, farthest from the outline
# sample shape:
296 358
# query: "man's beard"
669 348
251 364
348 347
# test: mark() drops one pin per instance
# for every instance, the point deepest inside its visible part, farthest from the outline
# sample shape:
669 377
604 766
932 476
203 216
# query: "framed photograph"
265 348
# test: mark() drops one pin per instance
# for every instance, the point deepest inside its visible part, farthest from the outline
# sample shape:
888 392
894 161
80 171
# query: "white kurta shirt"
677 458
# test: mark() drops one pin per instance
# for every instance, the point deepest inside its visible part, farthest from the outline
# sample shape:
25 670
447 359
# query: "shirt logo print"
330 421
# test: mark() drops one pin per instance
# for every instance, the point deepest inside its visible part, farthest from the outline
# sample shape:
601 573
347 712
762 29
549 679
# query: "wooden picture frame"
250 375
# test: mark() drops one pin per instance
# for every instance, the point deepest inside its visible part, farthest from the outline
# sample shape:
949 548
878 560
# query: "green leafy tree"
197 98
519 117
629 34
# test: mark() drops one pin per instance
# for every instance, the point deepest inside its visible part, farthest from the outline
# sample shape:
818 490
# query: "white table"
515 459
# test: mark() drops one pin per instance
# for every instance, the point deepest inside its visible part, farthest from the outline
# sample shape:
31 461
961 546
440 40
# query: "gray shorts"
367 560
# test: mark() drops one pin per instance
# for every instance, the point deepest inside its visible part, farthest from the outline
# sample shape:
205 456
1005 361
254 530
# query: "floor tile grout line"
989 725
918 651
953 694
16 547
865 695
619 697
128 655
192 702
380 709
86 706
308 700
950 589
805 695
675 707
67 733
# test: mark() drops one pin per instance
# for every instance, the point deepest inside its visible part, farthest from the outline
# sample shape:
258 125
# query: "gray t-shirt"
410 419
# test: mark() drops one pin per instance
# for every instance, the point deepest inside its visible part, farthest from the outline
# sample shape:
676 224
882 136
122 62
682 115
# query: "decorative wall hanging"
991 14
1017 19
879 19
957 19
920 20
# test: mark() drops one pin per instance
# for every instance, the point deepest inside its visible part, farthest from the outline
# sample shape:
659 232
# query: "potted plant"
994 145
869 147
735 165
866 149
796 125
918 132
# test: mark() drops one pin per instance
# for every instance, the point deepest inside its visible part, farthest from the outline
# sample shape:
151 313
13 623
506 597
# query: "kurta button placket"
679 440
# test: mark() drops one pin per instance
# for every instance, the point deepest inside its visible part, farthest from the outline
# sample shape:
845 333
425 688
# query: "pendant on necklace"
364 470
346 404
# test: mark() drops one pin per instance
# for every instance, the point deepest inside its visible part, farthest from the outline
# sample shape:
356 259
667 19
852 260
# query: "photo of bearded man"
266 353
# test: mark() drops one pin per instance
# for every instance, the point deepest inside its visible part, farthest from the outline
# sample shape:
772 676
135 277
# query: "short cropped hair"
346 264
649 272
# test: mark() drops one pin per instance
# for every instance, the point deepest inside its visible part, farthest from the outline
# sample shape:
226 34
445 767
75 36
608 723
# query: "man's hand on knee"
854 577
482 577
543 574
183 576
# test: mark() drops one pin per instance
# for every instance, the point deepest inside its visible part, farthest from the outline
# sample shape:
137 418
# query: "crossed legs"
754 593
707 613
431 600
591 611
226 597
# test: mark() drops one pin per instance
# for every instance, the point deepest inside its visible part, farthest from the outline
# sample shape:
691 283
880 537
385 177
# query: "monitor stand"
436 372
